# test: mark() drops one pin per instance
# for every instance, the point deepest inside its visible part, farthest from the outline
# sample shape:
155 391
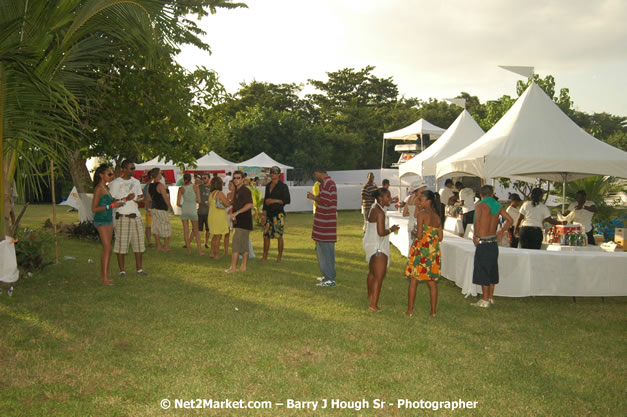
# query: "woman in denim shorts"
102 206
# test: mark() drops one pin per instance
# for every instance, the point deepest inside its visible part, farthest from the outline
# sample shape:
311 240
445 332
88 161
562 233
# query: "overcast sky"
435 48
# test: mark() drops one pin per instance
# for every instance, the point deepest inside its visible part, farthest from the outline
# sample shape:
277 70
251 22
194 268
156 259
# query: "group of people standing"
203 205
425 226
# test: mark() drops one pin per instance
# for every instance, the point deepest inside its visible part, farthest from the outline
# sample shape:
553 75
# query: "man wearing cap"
324 231
127 226
514 211
273 217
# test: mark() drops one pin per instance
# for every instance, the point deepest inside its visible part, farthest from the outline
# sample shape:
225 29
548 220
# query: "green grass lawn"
70 347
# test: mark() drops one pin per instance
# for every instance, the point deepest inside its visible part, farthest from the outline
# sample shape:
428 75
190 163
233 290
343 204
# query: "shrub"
33 250
83 230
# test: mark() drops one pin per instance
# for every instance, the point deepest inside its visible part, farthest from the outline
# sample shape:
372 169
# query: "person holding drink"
376 244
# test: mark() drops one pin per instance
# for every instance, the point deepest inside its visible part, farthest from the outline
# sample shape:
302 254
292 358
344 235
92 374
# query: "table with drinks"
558 270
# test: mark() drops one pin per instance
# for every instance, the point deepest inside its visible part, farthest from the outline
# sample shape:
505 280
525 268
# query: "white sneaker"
320 279
491 300
481 303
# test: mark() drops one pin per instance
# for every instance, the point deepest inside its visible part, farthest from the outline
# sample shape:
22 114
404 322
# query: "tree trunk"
82 182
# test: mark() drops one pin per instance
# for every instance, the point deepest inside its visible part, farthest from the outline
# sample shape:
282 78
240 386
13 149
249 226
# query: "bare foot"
263 260
242 269
409 314
107 282
278 260
230 271
218 257
432 314
375 309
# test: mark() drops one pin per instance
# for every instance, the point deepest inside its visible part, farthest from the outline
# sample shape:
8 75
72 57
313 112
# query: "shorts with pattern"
161 223
128 232
274 226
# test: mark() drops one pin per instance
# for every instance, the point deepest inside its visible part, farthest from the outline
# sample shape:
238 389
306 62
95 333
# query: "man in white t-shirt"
514 211
467 197
225 181
584 210
127 223
446 192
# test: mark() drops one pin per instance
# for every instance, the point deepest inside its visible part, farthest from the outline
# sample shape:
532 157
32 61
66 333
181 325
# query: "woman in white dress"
377 245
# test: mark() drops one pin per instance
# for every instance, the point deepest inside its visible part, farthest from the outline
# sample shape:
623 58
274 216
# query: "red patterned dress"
424 256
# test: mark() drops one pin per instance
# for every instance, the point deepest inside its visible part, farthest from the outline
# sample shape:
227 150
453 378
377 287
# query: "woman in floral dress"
424 254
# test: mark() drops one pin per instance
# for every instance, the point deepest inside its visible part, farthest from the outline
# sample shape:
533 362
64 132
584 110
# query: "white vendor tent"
157 163
412 132
214 162
460 134
264 161
415 130
536 139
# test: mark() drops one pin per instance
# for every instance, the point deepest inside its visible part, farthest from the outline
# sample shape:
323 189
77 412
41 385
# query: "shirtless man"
486 238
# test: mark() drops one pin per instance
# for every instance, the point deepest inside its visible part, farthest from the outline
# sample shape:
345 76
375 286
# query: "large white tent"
156 163
214 162
460 134
536 139
412 132
264 161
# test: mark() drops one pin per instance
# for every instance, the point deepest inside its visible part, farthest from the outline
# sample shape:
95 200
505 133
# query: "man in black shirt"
242 222
273 217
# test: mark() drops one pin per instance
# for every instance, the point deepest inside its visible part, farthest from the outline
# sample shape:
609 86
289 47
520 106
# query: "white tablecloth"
454 225
526 272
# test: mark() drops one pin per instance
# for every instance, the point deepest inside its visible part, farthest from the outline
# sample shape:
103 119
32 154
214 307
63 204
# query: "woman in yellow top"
218 226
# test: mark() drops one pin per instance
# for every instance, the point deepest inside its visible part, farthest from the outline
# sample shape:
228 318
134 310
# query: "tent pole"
54 214
382 152
563 192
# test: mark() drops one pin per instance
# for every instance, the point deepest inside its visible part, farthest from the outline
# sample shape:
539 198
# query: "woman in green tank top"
102 206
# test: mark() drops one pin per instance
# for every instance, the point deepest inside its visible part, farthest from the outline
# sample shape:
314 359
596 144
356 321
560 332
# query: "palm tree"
48 51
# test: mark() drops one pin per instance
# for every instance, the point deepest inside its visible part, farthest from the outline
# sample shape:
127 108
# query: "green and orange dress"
424 256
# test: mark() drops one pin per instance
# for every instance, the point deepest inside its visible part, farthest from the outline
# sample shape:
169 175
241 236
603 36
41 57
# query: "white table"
528 272
587 271
454 225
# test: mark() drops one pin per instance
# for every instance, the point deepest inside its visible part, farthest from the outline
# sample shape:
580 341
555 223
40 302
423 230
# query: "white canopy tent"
412 132
264 161
460 134
157 163
536 139
214 162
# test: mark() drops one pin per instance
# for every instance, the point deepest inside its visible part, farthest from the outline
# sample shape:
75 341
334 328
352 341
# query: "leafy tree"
47 50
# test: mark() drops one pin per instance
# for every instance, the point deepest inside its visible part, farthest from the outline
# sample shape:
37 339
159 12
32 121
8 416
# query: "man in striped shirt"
325 226
367 200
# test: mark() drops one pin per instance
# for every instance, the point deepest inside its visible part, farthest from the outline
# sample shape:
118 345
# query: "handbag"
219 203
